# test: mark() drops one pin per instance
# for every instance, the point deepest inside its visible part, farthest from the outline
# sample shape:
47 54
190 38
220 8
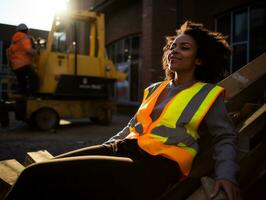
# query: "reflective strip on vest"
195 121
174 134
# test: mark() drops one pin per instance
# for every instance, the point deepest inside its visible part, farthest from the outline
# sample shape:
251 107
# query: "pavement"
19 138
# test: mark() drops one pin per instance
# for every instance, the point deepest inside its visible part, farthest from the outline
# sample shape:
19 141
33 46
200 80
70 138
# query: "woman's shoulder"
212 84
154 86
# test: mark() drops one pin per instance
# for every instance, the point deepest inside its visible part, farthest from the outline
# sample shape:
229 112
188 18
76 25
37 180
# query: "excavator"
77 80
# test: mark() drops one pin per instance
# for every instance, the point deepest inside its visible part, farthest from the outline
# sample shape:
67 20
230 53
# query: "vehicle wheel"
46 119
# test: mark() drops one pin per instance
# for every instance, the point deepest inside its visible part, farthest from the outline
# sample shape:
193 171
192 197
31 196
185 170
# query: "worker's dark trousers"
28 82
119 170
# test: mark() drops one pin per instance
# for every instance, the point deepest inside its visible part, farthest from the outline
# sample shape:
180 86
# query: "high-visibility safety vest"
174 133
18 50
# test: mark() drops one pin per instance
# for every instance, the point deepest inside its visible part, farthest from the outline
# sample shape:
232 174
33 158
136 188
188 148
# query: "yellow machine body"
75 46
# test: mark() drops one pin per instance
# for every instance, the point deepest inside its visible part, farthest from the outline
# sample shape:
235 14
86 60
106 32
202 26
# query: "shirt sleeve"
224 137
121 134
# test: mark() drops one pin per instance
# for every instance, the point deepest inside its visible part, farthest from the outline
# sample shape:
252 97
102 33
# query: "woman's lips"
173 59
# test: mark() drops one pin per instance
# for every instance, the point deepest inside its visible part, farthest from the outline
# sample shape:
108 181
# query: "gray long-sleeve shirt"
219 125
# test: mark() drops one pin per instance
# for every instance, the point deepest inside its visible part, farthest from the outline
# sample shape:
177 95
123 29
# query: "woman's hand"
232 191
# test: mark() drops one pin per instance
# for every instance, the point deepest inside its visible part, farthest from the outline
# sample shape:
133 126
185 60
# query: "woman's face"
182 55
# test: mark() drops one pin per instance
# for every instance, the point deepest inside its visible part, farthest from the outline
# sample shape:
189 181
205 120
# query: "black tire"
46 119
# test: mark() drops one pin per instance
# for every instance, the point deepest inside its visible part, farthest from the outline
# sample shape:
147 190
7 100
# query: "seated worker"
156 149
21 54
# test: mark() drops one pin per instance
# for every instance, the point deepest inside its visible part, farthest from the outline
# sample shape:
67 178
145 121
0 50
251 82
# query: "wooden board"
244 77
37 156
9 172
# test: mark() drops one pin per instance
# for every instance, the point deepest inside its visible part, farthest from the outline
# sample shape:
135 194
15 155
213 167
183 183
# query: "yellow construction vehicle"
76 77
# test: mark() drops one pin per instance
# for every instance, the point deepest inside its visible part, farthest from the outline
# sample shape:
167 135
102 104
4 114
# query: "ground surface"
19 138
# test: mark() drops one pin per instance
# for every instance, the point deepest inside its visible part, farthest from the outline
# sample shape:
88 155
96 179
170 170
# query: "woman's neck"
183 79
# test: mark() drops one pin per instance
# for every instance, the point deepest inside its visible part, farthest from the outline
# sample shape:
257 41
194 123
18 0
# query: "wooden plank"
244 77
251 132
37 156
254 92
253 117
9 171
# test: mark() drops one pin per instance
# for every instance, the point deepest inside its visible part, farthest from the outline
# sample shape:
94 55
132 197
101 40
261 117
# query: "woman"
157 147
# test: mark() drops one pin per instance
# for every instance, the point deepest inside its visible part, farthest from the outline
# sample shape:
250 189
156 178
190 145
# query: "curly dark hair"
213 50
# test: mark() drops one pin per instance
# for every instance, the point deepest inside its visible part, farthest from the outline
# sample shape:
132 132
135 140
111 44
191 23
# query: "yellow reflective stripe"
178 104
192 126
131 129
192 151
158 138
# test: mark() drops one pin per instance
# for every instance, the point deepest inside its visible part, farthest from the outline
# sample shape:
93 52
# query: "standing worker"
21 54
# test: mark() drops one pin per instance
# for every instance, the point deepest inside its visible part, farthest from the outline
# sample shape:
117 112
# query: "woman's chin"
172 68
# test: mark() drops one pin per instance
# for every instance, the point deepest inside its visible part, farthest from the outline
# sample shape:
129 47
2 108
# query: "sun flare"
36 14
48 9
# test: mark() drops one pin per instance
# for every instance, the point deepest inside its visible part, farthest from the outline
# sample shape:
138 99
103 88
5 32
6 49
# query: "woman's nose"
174 51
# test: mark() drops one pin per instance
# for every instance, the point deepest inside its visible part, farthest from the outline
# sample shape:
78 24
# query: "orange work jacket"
18 52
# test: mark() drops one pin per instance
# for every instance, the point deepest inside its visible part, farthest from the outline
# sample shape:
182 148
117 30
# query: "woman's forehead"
184 38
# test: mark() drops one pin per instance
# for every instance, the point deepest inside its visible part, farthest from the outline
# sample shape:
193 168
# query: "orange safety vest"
18 50
174 134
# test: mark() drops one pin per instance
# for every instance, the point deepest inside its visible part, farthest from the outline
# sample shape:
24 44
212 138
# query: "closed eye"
185 47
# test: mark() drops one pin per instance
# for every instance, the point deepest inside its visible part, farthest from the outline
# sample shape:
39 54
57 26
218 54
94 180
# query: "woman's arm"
121 134
225 152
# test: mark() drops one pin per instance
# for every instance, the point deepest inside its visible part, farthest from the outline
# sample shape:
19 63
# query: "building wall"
159 20
123 21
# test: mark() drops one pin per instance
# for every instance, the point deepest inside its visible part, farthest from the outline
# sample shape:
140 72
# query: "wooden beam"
9 172
37 156
241 79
